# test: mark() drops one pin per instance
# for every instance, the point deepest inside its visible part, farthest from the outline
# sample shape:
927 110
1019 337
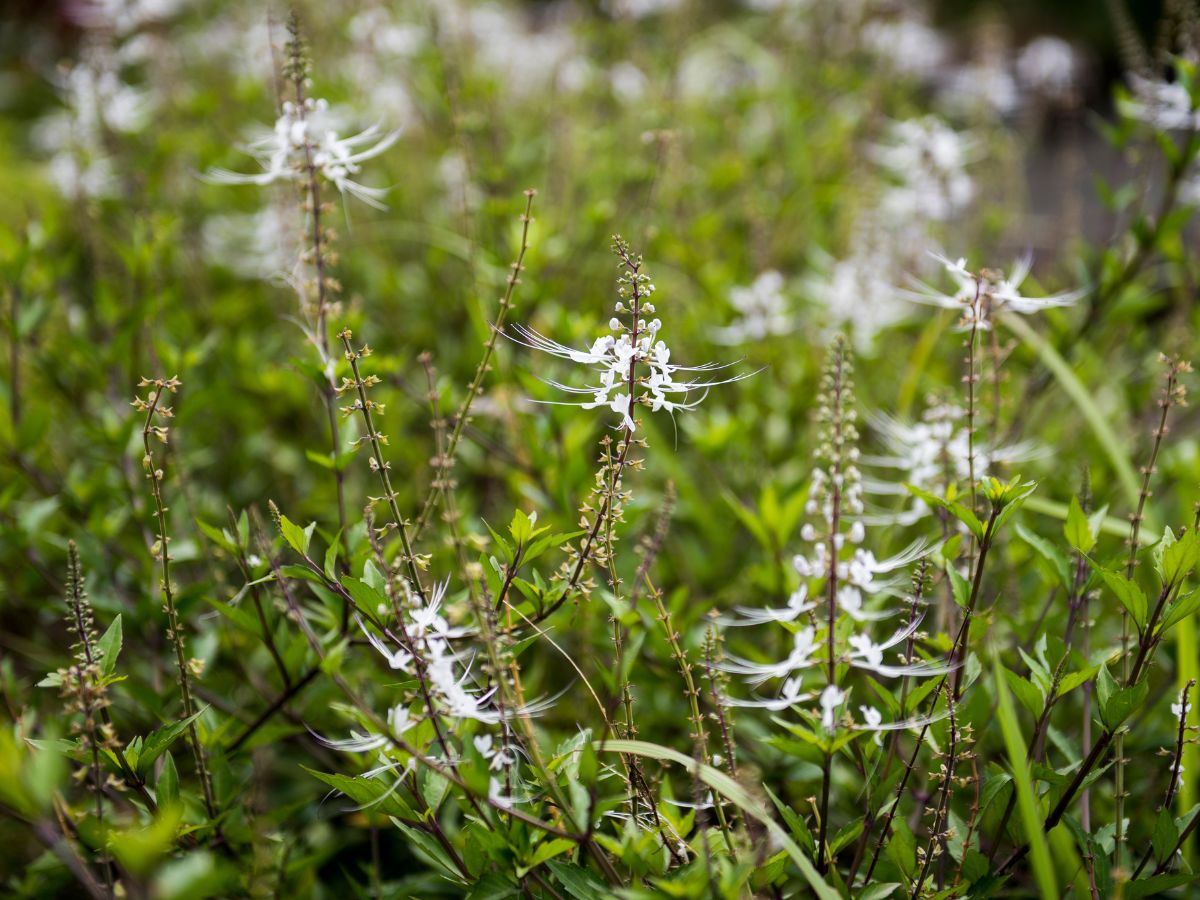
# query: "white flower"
983 85
927 160
1048 65
872 720
803 648
762 311
503 42
858 294
1163 104
933 454
979 296
831 699
638 357
304 133
797 604
627 81
908 45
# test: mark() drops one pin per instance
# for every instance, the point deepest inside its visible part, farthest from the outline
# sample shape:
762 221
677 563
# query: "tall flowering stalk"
1173 394
305 148
830 614
153 429
980 297
634 369
85 691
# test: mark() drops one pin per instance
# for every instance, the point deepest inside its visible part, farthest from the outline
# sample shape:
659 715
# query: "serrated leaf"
297 537
109 647
1031 697
373 793
578 882
1077 529
156 743
1179 558
1181 609
1166 835
1131 596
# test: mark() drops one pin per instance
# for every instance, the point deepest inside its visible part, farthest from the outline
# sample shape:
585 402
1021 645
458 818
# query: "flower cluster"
633 365
933 454
421 648
980 296
858 293
305 140
926 159
831 611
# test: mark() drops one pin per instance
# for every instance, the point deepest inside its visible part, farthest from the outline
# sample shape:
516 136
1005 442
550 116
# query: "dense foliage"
374 521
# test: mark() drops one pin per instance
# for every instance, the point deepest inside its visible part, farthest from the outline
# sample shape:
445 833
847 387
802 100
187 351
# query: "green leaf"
1105 686
157 742
845 836
736 794
878 891
1157 885
217 536
1077 529
1179 558
1027 802
365 596
166 789
296 536
1049 552
1030 696
578 882
1181 609
902 848
956 509
1166 835
960 585
1130 595
109 647
236 615
368 793
545 851
1117 704
331 555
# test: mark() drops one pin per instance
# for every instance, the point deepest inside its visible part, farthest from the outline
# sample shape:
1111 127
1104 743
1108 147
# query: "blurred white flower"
979 296
762 311
1163 104
858 296
455 175
933 454
627 81
254 245
831 700
304 133
1048 66
502 41
908 45
640 9
981 85
926 159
